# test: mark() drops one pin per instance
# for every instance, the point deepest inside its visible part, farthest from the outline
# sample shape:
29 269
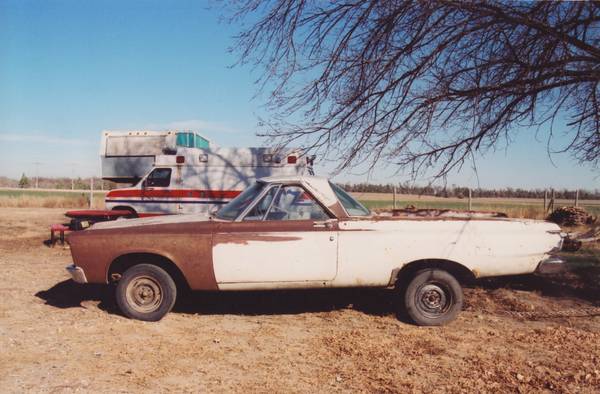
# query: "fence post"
91 192
545 199
470 205
551 205
394 196
577 197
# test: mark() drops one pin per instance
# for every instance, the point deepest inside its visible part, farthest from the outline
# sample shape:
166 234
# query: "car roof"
293 178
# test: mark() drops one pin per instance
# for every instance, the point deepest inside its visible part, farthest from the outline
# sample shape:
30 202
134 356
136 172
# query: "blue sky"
70 69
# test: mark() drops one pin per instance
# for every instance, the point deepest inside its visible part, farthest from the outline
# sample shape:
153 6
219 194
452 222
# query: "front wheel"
433 298
146 292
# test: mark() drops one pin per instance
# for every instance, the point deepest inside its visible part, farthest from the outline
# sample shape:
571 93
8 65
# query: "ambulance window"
160 177
201 143
185 139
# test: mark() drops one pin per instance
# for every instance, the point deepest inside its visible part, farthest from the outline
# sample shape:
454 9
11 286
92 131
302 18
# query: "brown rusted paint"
268 226
242 232
436 214
187 245
433 212
379 218
244 238
266 231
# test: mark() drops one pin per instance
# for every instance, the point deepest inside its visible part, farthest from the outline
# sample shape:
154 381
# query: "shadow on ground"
68 294
582 283
375 302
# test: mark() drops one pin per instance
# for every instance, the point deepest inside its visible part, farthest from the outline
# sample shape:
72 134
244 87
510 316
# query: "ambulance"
200 180
126 156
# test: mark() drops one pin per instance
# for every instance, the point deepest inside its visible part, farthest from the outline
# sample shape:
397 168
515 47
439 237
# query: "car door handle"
323 224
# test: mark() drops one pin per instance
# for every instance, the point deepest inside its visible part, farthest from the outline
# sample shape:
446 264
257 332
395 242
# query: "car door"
285 237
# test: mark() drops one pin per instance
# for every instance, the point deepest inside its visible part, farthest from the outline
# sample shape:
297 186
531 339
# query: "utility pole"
73 164
470 204
36 164
91 191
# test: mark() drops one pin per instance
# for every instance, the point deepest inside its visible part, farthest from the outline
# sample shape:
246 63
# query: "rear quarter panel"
369 250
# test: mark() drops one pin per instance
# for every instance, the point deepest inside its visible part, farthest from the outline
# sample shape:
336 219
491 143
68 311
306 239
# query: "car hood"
150 221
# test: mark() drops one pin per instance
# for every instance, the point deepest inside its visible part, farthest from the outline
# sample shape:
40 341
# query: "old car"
306 232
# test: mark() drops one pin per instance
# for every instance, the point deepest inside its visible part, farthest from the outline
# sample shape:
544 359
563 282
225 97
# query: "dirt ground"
57 336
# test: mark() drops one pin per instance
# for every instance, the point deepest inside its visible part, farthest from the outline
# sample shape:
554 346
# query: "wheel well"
123 263
459 271
125 208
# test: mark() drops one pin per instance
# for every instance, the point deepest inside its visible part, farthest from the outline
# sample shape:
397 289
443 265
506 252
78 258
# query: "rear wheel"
433 297
146 292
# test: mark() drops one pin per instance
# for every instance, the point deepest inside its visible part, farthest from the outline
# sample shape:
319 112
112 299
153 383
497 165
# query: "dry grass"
44 202
28 199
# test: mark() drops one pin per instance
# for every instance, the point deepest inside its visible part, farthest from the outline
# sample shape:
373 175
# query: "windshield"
353 207
235 207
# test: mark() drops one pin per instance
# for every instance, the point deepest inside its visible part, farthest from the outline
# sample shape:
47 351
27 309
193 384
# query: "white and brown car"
306 232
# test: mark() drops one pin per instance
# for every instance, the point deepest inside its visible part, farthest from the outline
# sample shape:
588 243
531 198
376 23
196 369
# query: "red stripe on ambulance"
179 193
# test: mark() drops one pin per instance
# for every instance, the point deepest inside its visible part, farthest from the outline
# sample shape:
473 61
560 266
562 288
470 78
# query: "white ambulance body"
126 156
192 182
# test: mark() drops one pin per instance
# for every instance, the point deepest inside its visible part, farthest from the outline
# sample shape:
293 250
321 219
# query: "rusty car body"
306 232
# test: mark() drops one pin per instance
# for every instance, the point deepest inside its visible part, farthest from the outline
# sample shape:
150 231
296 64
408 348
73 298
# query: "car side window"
160 177
260 209
294 203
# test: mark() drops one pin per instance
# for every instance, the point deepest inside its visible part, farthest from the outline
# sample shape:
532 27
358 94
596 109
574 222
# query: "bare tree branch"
424 84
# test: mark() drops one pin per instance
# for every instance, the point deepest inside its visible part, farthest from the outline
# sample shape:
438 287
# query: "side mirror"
213 211
144 184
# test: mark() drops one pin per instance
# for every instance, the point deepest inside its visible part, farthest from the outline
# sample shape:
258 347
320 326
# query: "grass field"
49 198
516 207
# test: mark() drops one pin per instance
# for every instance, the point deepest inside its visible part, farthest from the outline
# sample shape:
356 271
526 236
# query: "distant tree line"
401 188
462 192
63 183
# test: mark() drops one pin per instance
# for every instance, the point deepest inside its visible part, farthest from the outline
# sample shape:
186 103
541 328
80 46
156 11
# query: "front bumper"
77 273
551 265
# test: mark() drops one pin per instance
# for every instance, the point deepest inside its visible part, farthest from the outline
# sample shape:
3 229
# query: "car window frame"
241 217
342 204
258 200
